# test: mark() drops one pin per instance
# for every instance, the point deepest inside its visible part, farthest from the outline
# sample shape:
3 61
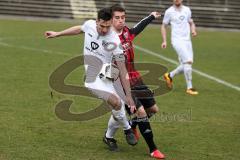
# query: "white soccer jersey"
103 47
179 20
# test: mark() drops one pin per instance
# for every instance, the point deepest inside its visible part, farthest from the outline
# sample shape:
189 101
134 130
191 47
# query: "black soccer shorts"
142 96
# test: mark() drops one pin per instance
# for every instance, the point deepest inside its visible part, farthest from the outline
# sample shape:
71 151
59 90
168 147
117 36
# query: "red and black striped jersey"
126 37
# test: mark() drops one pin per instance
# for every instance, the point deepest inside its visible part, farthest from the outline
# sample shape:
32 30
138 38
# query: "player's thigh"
149 100
106 91
144 96
111 98
184 51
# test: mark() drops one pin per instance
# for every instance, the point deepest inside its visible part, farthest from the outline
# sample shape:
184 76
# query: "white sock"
176 71
188 75
121 117
113 126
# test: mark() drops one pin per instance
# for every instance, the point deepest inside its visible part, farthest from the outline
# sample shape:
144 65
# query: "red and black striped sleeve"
140 26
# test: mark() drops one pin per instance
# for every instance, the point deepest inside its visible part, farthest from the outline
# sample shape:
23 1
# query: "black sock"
146 131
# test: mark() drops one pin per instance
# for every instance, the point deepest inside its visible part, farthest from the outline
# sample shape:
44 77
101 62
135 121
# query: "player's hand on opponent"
131 104
51 34
164 45
156 14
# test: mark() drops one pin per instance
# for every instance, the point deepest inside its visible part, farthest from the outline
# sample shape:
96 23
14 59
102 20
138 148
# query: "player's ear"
97 21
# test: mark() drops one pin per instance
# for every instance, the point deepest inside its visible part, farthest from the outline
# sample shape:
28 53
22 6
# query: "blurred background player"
146 106
97 33
179 17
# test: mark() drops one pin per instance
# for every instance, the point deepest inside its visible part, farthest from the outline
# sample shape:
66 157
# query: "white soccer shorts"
102 88
184 51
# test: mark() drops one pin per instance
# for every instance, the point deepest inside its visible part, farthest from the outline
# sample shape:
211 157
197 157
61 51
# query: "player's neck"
178 7
118 31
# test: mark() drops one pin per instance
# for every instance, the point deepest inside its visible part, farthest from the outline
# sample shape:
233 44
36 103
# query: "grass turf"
29 128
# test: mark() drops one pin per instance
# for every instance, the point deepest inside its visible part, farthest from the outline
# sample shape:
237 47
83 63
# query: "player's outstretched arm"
164 35
67 32
140 26
193 28
124 77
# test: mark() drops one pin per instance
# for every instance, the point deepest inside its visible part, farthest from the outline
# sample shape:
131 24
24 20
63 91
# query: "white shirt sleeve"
118 51
86 25
189 15
167 18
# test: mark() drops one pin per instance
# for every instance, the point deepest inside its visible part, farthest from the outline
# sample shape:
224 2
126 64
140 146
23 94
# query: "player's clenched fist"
194 33
164 45
51 34
156 14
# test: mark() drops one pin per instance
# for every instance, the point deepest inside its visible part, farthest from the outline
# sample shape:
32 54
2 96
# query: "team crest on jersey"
126 46
125 35
182 18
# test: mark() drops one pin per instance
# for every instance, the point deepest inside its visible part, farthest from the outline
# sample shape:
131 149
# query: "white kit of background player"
179 17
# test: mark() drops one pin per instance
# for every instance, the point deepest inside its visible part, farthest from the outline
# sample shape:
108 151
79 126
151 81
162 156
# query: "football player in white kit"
179 17
102 46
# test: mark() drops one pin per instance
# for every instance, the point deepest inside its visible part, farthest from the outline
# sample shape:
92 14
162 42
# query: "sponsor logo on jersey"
94 45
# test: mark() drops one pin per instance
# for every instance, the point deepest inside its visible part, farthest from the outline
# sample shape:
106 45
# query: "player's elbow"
76 30
191 22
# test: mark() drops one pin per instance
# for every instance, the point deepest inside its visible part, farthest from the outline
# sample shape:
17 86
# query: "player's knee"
141 112
115 102
116 126
187 67
154 109
189 62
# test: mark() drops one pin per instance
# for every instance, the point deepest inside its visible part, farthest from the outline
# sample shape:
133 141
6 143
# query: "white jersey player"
101 47
179 17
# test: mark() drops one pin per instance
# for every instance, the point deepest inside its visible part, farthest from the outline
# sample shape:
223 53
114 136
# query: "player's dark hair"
104 14
118 8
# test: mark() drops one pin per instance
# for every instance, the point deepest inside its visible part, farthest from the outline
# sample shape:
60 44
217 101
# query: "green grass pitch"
29 128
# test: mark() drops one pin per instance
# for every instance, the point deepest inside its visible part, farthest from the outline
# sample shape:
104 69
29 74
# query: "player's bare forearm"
193 28
124 77
164 35
70 31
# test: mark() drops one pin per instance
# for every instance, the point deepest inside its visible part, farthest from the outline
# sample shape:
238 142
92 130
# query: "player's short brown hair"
117 8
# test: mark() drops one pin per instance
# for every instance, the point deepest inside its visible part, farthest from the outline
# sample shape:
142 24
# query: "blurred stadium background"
186 128
214 13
